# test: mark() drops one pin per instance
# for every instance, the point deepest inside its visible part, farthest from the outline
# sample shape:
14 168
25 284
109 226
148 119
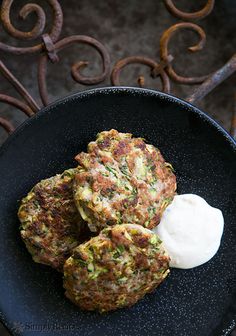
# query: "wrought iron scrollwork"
164 52
36 31
47 50
156 70
47 46
76 68
205 11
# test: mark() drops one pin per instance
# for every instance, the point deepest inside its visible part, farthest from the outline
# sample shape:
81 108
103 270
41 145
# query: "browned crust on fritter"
50 223
122 179
115 269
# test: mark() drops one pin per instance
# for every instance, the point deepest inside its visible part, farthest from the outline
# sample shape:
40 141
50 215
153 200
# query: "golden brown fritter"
116 268
50 223
122 180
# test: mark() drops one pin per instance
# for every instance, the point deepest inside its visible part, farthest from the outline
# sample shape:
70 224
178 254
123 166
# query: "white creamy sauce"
191 231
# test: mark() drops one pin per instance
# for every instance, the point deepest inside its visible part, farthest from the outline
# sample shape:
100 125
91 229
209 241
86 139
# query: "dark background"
128 28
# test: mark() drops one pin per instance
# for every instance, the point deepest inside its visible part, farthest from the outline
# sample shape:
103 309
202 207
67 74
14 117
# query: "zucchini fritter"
50 222
116 268
122 180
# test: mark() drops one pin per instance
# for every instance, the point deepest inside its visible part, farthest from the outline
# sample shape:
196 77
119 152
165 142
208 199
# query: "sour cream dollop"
191 231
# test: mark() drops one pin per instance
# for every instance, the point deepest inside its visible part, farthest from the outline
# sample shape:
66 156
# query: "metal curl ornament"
164 44
75 69
16 103
37 29
7 125
205 11
29 107
31 104
49 47
157 70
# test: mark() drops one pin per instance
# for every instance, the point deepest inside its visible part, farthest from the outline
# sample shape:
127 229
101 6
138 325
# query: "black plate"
190 302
